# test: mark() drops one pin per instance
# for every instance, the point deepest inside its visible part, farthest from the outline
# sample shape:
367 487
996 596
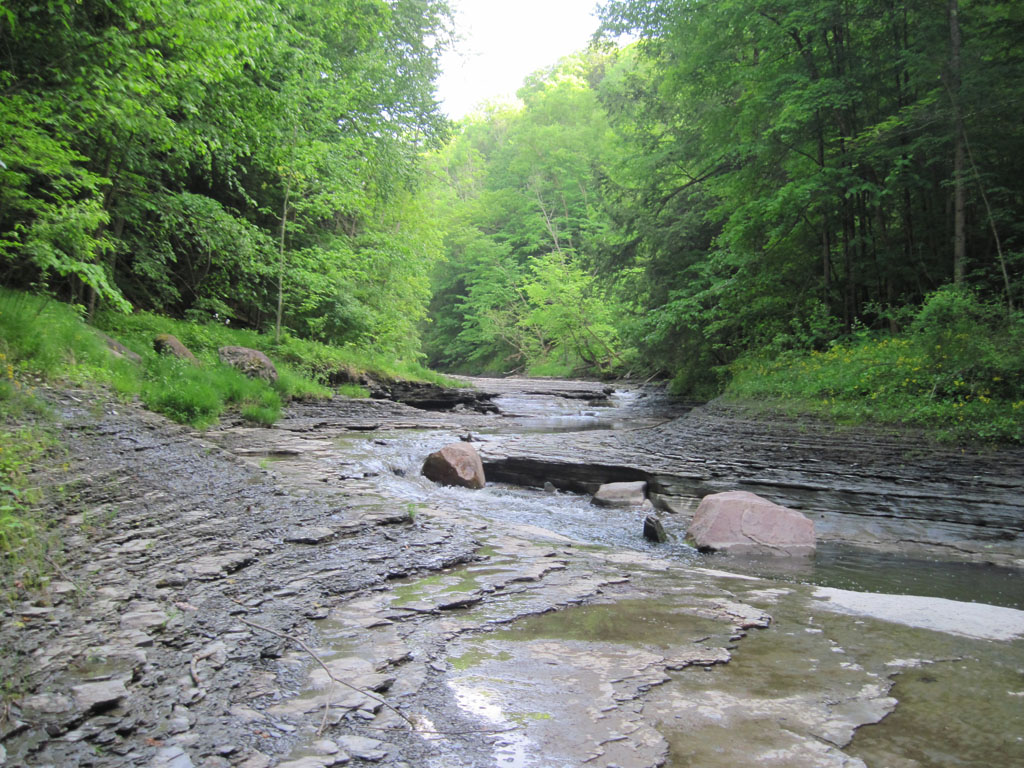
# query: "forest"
816 201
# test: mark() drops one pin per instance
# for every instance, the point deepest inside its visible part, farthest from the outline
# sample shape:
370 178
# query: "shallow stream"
646 663
393 460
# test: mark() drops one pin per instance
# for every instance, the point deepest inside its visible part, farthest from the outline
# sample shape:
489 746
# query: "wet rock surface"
261 597
738 522
874 487
170 543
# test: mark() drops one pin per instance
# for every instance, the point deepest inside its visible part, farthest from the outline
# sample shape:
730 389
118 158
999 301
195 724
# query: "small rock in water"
654 530
621 494
549 486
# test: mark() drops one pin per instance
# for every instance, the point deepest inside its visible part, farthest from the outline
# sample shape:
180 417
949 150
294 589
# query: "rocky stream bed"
296 597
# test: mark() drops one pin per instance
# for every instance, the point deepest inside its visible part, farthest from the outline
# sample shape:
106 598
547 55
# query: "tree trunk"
281 262
959 199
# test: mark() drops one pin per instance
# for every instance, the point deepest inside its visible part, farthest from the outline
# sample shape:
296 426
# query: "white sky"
502 41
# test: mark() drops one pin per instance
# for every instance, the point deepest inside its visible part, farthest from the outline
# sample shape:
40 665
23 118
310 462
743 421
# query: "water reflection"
864 570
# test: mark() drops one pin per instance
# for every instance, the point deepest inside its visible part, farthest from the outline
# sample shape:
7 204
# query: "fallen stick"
326 669
369 694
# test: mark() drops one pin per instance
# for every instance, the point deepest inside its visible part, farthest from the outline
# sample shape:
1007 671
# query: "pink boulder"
742 523
456 464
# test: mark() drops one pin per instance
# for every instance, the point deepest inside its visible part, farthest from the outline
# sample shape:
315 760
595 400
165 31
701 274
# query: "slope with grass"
957 370
47 339
45 342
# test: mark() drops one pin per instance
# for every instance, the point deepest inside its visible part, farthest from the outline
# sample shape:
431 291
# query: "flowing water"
395 461
960 698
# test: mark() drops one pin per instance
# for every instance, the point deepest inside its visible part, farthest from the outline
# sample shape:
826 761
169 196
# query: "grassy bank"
310 360
957 370
46 342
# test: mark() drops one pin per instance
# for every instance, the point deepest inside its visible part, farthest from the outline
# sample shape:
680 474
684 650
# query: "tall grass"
24 540
307 360
44 338
957 370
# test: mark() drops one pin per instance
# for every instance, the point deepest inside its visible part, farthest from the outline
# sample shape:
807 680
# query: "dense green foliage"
959 370
743 185
520 289
813 149
249 160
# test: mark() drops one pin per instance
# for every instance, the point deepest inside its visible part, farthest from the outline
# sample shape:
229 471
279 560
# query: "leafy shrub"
181 391
971 347
958 370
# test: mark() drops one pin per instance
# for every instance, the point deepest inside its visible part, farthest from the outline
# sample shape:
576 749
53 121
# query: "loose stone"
621 494
654 530
96 696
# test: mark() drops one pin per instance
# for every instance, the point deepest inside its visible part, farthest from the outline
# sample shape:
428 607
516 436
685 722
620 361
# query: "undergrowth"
313 362
958 370
24 540
48 340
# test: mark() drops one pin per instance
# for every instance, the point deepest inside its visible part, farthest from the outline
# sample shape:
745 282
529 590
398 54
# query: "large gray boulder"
456 464
742 523
251 362
621 494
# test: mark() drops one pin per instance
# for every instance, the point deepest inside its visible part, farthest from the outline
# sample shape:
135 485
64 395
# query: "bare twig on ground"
369 694
330 675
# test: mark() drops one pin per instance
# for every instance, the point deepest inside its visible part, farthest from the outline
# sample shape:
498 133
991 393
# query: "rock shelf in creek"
258 597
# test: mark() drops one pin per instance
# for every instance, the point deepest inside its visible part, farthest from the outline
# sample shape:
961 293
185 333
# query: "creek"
300 597
394 460
919 662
